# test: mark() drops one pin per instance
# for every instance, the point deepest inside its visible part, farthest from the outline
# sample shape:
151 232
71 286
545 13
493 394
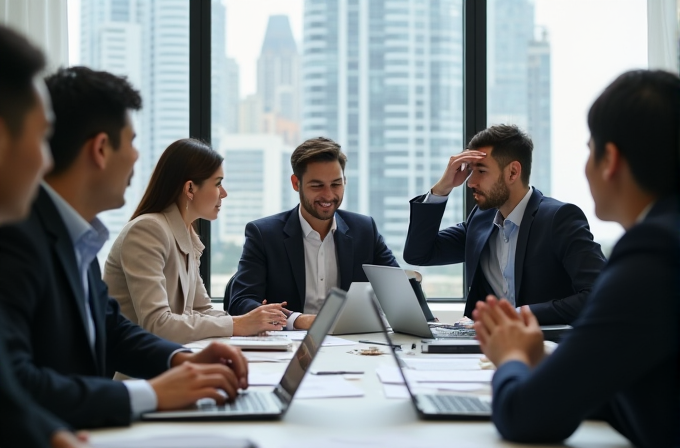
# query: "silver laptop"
401 306
355 317
443 405
258 405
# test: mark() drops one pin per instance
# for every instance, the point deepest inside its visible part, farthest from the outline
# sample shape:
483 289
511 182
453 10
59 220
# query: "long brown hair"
184 160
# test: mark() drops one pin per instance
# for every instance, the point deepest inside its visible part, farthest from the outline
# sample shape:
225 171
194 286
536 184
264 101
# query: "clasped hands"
505 335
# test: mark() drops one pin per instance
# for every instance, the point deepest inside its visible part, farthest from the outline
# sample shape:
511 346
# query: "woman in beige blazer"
153 267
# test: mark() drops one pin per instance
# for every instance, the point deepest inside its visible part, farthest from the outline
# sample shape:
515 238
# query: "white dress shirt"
321 268
497 260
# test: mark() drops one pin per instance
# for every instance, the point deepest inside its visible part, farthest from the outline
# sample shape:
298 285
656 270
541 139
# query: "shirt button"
321 279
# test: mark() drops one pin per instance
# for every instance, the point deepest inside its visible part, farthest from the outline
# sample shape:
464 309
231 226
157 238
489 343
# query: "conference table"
365 422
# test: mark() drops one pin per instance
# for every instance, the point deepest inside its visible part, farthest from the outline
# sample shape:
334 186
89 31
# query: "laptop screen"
310 345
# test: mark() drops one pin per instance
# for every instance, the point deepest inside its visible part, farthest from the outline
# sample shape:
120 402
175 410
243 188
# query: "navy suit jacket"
272 265
556 261
42 299
621 362
23 422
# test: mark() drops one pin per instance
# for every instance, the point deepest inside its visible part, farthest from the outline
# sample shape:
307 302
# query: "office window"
547 61
283 72
147 41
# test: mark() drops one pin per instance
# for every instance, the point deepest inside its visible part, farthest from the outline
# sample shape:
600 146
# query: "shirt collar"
186 238
517 213
643 214
307 229
75 224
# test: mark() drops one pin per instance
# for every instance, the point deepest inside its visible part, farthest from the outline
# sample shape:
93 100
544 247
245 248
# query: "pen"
394 346
337 372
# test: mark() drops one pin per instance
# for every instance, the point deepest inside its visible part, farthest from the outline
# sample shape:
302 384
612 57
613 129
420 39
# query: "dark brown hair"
640 113
184 160
509 144
320 149
20 62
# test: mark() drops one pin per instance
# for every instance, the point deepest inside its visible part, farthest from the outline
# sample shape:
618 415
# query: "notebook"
259 405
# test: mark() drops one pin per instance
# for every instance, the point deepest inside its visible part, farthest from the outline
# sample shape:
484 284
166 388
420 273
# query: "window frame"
474 99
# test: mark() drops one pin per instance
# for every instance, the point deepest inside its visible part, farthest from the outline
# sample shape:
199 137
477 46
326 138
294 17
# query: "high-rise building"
278 80
538 105
518 79
384 79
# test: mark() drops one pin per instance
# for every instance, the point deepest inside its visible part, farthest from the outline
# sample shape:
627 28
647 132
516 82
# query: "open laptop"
260 405
400 304
355 317
442 405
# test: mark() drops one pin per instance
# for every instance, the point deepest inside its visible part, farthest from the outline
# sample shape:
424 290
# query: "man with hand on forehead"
516 243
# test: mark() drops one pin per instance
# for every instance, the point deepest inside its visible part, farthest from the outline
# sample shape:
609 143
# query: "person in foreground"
298 255
65 335
620 361
25 122
153 267
516 243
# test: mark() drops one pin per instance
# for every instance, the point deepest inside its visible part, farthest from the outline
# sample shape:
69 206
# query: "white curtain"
44 22
662 32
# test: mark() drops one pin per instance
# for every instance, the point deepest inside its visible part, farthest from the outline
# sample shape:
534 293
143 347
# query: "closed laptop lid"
309 347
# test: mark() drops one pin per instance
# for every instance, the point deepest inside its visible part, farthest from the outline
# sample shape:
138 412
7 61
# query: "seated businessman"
25 121
298 255
620 363
66 337
516 243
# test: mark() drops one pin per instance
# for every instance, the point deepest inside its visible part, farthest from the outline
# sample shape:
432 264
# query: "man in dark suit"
621 362
65 335
516 243
25 120
297 256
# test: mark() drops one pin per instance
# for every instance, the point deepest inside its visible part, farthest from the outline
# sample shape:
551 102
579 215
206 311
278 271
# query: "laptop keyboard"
458 404
244 403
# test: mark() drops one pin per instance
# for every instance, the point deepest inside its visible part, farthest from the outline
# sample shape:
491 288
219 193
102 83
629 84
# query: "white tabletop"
318 422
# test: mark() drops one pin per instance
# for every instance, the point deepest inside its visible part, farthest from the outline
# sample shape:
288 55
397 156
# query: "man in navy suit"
516 243
25 121
65 335
298 255
621 362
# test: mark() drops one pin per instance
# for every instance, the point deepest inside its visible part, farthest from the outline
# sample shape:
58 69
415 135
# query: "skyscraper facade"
384 79
518 79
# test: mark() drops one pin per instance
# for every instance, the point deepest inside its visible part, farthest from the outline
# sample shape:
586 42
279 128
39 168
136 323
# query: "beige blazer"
153 272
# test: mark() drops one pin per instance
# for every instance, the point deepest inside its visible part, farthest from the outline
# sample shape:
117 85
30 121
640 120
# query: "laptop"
269 405
355 317
439 406
400 304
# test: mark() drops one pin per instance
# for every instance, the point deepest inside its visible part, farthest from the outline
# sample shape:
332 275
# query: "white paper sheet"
391 375
298 335
400 391
173 441
420 363
268 356
264 379
327 386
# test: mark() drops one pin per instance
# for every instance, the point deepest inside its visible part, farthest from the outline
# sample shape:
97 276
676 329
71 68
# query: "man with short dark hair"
516 243
66 335
620 363
25 122
298 255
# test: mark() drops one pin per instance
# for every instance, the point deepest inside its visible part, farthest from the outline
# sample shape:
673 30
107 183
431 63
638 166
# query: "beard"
323 215
495 197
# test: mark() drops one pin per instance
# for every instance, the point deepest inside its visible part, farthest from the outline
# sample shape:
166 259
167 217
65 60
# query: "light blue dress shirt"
498 257
88 239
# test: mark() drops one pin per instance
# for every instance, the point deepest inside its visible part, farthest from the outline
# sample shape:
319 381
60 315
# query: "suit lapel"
98 310
184 245
65 253
481 240
344 248
294 245
523 237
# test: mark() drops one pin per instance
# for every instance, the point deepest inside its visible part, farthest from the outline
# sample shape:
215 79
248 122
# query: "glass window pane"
147 41
381 77
547 62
